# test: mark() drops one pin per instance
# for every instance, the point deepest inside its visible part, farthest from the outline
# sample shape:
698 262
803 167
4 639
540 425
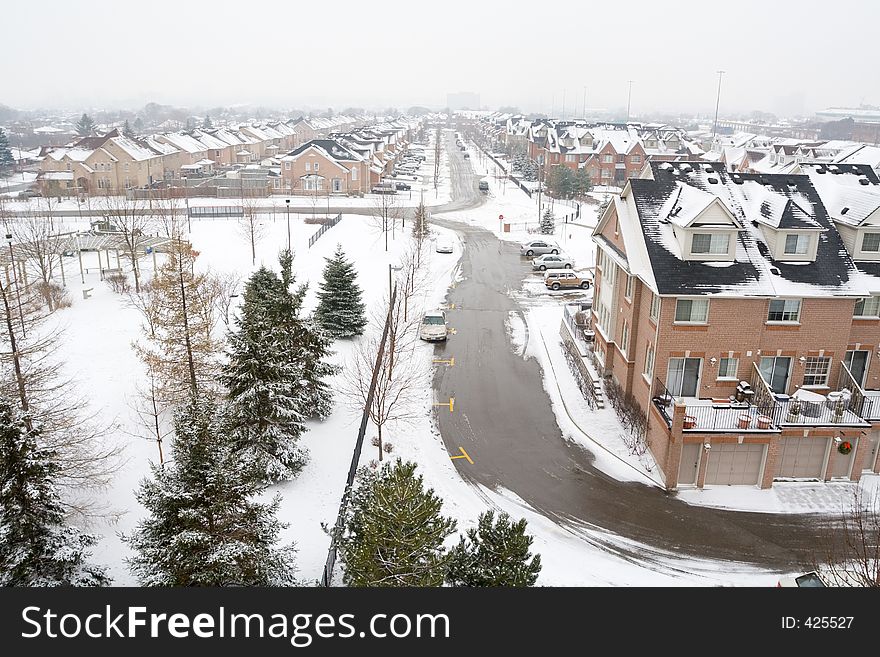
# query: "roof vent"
712 180
755 223
844 211
864 181
820 170
774 271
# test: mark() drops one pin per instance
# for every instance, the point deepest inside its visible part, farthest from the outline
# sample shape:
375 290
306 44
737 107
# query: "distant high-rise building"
463 100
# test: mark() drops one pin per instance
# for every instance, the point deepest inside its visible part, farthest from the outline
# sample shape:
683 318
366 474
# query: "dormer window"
797 244
871 242
710 243
869 307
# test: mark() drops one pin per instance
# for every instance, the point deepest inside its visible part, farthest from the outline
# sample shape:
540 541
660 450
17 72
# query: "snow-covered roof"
135 151
184 142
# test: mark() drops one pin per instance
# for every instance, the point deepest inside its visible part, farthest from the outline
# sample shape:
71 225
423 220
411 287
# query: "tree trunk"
16 362
189 353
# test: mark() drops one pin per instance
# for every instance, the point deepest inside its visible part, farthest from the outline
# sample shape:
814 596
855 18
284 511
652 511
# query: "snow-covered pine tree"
36 547
85 126
421 229
6 159
207 124
340 311
204 526
264 384
548 222
126 129
494 554
310 347
394 531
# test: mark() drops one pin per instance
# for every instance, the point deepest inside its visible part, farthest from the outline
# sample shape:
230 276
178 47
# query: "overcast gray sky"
779 55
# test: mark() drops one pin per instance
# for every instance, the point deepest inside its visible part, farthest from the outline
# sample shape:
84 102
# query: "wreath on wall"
845 447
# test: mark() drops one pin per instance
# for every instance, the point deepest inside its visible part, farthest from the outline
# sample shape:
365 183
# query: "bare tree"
33 376
154 416
167 214
250 226
850 552
133 223
399 380
386 211
38 249
437 135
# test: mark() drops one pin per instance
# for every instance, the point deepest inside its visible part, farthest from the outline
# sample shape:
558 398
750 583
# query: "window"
308 166
871 242
354 173
125 166
683 376
775 371
869 307
655 306
624 337
608 159
711 243
635 159
606 173
571 158
692 310
816 371
630 286
287 166
337 184
316 167
796 244
649 360
784 310
727 368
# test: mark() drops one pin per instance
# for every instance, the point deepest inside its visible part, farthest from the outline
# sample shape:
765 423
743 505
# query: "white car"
433 326
552 261
443 245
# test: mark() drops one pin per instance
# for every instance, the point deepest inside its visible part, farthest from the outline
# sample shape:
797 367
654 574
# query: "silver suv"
538 247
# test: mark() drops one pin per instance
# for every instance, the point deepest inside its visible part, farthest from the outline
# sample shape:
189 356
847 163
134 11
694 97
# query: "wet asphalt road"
503 418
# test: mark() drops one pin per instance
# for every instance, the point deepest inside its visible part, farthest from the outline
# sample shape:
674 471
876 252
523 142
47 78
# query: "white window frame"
871 305
713 246
785 311
654 313
308 166
649 361
692 301
725 374
630 287
635 159
819 378
624 337
872 235
607 159
802 244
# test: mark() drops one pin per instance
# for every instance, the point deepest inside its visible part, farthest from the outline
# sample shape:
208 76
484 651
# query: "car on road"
538 247
401 186
383 188
467 156
557 279
552 261
443 245
433 327
401 174
484 185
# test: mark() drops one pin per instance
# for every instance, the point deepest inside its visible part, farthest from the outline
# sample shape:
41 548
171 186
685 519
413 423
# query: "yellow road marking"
451 331
450 404
440 361
464 455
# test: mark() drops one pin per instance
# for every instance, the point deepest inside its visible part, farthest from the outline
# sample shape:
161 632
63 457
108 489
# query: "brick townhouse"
742 314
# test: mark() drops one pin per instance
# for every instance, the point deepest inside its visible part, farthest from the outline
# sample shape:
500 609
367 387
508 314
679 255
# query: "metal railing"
861 401
330 563
728 417
663 400
328 224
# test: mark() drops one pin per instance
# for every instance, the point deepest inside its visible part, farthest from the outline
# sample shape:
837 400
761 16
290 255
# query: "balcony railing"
864 402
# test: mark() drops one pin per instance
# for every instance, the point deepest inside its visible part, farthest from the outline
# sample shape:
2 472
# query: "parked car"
383 188
467 156
29 193
443 245
401 186
556 279
484 186
538 247
433 326
807 580
552 261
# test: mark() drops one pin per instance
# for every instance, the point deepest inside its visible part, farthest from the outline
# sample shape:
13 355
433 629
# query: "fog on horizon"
788 57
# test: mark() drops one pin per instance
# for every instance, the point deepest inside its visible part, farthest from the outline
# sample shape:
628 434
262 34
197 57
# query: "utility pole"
629 99
717 103
584 106
563 104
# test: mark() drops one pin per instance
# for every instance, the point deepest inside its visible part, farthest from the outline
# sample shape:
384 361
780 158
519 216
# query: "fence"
323 229
516 181
589 387
330 563
215 212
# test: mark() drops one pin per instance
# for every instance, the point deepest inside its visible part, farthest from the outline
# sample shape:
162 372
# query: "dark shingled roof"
754 271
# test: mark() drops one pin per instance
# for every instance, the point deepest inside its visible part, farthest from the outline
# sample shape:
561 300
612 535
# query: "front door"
871 461
857 362
690 462
775 370
683 378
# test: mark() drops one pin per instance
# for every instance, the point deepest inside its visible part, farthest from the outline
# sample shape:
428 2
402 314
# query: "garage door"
802 458
734 464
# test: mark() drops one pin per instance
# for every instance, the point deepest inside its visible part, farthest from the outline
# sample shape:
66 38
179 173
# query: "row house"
741 313
325 166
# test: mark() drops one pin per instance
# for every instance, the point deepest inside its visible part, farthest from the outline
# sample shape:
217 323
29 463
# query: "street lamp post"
717 103
15 279
287 203
186 200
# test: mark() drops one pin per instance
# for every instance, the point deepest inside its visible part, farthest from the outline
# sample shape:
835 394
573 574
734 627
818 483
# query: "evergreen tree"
204 526
548 223
420 228
394 532
6 159
207 124
583 184
36 547
139 125
340 311
264 383
494 554
126 129
311 346
85 126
